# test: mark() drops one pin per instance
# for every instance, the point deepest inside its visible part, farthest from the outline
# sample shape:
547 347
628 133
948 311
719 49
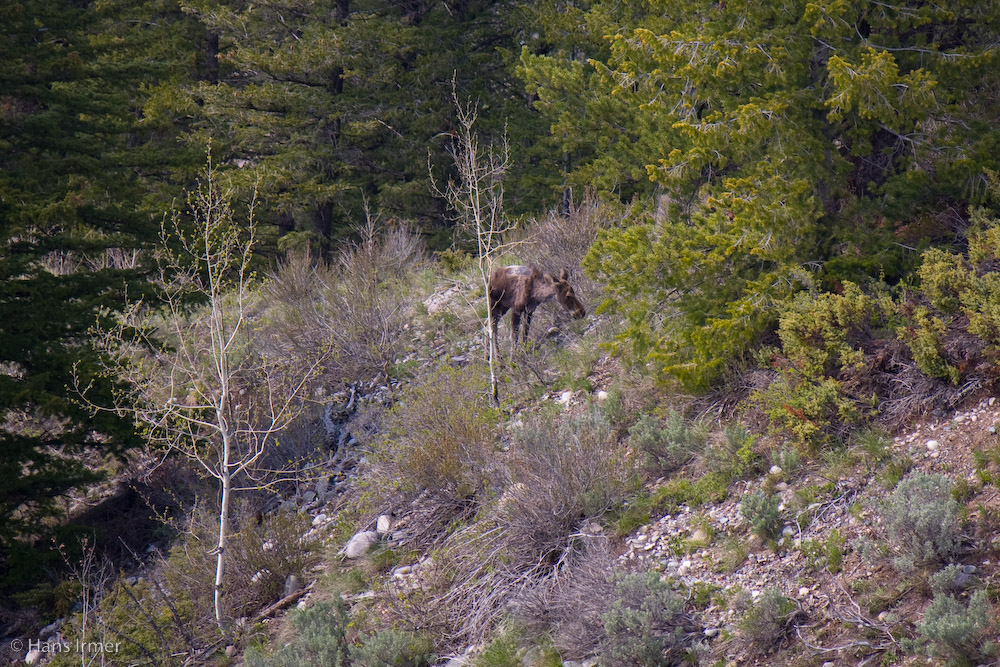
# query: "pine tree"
329 105
595 139
77 184
793 145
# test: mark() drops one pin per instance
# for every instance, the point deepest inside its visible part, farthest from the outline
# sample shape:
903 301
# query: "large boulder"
359 545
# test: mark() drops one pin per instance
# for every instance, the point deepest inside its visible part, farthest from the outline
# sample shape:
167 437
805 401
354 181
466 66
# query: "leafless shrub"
559 241
67 262
569 603
267 550
263 551
370 299
558 473
61 262
906 392
554 477
135 615
356 308
439 438
474 576
297 308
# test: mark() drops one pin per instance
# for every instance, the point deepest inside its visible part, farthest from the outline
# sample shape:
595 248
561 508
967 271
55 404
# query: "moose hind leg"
515 325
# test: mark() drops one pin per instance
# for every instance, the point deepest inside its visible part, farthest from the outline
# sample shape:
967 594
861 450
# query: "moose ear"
564 275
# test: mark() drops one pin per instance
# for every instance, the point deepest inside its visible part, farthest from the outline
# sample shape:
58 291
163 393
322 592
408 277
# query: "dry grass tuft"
556 475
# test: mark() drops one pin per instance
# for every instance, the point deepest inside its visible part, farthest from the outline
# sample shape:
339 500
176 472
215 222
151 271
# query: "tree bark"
491 336
343 8
323 225
212 56
220 557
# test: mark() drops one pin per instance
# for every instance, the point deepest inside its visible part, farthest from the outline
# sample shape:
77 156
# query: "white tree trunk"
492 340
220 557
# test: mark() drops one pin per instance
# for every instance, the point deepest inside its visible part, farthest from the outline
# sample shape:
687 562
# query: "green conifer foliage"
331 105
76 174
596 139
791 144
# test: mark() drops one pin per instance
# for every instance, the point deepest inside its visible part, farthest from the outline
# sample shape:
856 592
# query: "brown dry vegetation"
581 526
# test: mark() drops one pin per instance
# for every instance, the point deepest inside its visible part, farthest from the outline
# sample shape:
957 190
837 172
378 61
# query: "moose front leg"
497 311
515 325
528 314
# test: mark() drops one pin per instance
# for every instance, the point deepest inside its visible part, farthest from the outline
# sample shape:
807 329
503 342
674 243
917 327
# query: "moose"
521 289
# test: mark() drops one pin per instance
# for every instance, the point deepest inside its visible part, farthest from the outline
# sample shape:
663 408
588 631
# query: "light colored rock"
788 531
533 657
932 445
51 628
383 525
565 397
359 545
319 520
803 592
589 662
781 487
775 470
711 632
33 656
601 396
699 536
436 303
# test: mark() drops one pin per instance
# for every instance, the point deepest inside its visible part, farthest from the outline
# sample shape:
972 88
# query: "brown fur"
521 289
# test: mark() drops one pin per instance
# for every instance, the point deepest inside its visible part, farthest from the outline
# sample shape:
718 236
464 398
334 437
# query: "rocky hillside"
799 558
594 517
